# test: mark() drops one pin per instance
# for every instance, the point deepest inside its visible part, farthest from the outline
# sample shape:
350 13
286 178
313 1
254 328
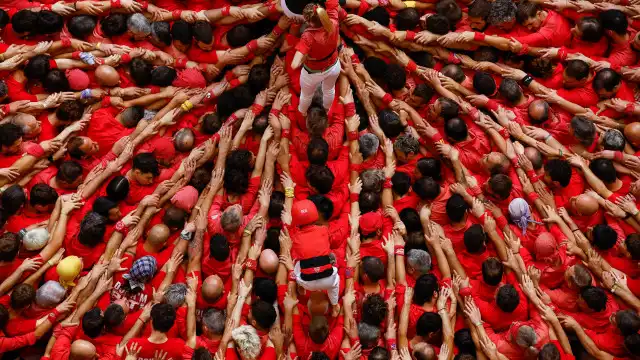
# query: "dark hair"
272 242
114 24
632 243
379 353
24 21
422 58
55 81
411 219
591 29
239 35
118 188
235 181
201 353
559 170
369 201
549 352
103 205
263 313
219 247
211 123
4 313
485 53
540 68
510 90
430 166
396 77
318 151
492 270
92 229
140 72
475 239
594 297
146 163
320 177
161 30
426 286
407 19
203 32
632 344
448 108
390 123
627 321
43 195
49 22
69 171
401 183
375 66
451 10
456 208
507 298
37 67
163 317
9 246
454 72
374 310
113 316
92 323
259 77
379 15
12 199
463 340
4 20
322 203
373 268
484 83
526 10
163 76
606 79
456 129
480 8
428 323
426 188
81 26
174 217
4 89
604 170
265 289
22 296
501 185
614 20
438 24
200 179
577 69
70 110
181 31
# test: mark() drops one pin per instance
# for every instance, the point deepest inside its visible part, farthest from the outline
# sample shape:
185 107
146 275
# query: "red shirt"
555 31
302 248
583 95
105 129
173 347
24 218
13 343
498 319
320 46
305 346
575 188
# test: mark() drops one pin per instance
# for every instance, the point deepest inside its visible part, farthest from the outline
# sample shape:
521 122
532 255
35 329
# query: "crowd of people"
340 179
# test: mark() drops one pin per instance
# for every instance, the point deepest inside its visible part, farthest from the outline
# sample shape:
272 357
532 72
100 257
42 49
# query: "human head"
92 229
604 237
213 321
263 315
438 24
83 350
42 197
407 19
320 178
390 123
511 91
557 173
131 116
318 151
212 288
139 26
70 111
475 239
163 76
231 218
428 324
484 83
405 147
317 121
401 183
507 298
578 276
606 83
500 186
239 35
55 81
426 289
614 22
118 188
114 24
374 310
456 208
492 270
162 317
456 130
395 76
379 15
10 138
141 272
369 201
268 261
478 13
30 127
368 144
247 341
259 76
373 268
418 261
592 299
12 199
175 294
22 296
9 246
368 335
106 75
93 323
50 294
24 21
451 10
140 72
502 14
68 270
145 168
529 15
604 170
160 33
575 73
588 29
613 139
69 174
430 167
583 205
182 35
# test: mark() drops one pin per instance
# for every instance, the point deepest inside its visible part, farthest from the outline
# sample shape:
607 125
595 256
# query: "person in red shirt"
163 317
317 51
548 28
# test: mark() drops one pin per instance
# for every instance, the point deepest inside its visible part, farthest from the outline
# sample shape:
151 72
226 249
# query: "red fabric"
317 44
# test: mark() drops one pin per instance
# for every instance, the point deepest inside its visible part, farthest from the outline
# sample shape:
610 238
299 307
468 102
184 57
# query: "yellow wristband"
410 4
189 104
98 45
247 232
1 57
184 107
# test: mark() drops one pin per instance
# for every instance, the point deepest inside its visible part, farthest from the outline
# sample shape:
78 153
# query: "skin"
158 235
82 350
107 75
268 261
632 133
584 205
212 288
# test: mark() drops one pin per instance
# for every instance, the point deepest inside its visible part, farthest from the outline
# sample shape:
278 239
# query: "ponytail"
324 19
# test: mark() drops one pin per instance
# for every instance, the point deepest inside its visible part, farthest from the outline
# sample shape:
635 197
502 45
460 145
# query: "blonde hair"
248 341
317 16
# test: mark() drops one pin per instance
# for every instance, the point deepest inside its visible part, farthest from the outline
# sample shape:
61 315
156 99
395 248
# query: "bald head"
27 123
212 288
538 111
106 75
535 156
82 350
158 235
184 140
585 205
268 261
632 133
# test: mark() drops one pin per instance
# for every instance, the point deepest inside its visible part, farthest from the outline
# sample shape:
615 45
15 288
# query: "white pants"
309 83
331 284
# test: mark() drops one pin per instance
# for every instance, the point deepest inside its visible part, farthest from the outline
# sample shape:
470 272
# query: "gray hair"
526 337
407 144
215 320
502 11
22 120
231 219
419 260
613 139
35 239
247 341
368 334
50 294
369 144
175 294
138 24
372 180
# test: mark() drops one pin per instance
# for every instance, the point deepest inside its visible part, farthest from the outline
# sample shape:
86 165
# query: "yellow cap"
68 269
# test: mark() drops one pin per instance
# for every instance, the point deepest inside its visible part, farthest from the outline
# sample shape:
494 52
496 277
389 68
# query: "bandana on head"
521 214
186 198
141 271
190 78
78 79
